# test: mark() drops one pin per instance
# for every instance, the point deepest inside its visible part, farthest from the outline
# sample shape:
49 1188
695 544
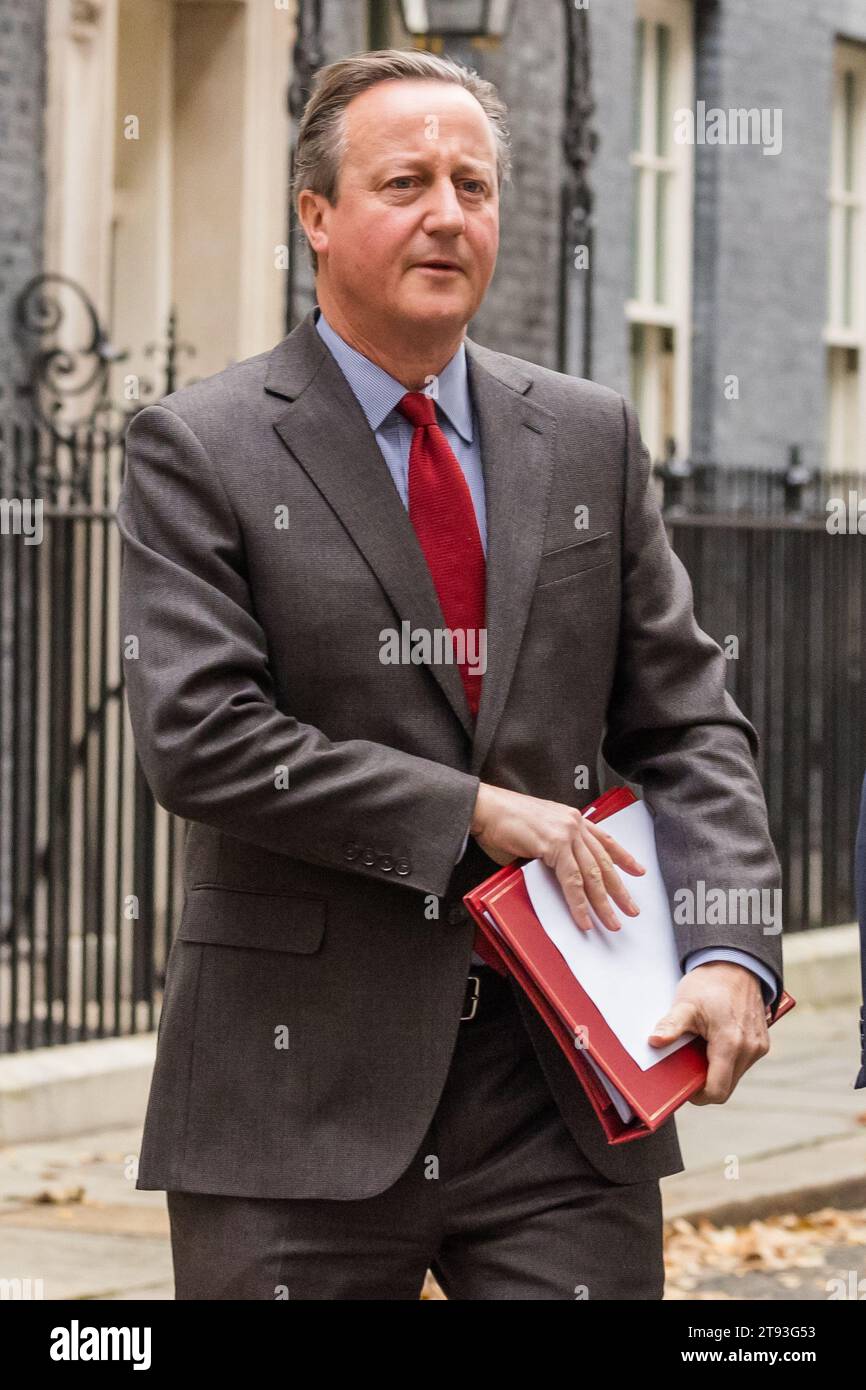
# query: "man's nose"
444 212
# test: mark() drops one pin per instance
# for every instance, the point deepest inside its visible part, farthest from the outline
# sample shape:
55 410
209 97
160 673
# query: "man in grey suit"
344 1095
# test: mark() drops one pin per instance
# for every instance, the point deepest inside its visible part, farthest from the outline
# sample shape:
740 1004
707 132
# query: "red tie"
441 511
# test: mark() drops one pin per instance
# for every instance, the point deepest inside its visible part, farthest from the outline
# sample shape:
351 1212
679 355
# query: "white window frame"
846 421
675 313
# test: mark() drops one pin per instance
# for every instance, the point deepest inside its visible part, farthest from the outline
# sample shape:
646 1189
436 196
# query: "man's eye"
470 185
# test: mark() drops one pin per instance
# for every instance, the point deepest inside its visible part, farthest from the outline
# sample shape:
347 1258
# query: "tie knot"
418 408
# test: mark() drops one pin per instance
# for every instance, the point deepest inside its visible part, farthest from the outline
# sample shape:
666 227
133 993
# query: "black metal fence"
90 866
778 568
81 867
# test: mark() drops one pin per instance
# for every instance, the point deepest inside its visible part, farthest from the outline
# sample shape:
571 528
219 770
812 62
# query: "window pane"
833 314
663 121
848 133
653 385
637 111
662 194
638 339
848 268
635 232
666 387
843 369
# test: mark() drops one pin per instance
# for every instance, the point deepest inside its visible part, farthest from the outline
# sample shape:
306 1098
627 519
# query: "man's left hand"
723 1003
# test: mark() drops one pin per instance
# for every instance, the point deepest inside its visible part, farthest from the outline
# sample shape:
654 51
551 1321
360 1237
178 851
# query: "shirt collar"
378 392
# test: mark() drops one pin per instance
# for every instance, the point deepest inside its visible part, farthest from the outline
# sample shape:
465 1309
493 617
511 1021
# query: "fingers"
571 882
682 1017
734 1026
721 1077
722 1049
588 879
614 849
594 883
729 1055
613 884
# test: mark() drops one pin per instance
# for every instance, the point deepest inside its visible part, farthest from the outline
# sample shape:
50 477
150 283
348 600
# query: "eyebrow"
418 161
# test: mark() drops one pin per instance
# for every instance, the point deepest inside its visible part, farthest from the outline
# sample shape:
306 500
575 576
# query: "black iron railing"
778 569
89 865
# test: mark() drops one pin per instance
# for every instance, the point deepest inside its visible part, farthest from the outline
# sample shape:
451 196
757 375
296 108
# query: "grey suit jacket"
317 976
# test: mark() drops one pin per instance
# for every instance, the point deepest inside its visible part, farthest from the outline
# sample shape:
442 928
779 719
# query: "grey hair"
322 142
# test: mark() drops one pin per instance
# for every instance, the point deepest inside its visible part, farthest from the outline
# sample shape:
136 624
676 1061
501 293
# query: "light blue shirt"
378 393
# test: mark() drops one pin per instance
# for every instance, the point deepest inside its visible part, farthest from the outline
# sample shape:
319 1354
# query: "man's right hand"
509 825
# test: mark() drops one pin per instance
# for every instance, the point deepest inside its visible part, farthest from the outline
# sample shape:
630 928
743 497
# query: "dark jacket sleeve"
673 728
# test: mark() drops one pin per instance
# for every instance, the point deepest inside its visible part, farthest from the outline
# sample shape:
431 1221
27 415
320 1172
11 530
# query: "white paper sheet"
631 975
621 1105
623 1109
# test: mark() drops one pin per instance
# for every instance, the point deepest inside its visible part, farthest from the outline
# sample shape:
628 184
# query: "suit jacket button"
403 866
386 863
351 851
368 858
457 914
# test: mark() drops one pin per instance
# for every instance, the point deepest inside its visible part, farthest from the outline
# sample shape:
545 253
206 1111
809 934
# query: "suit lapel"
327 432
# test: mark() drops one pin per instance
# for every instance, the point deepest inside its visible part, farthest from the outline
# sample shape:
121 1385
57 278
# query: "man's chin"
436 307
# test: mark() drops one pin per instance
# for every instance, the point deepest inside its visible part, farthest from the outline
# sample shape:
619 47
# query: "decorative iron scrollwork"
69 356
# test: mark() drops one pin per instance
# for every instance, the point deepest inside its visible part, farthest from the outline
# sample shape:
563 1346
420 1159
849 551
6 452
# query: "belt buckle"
476 980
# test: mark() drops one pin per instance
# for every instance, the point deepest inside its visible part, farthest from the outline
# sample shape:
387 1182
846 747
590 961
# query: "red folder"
518 945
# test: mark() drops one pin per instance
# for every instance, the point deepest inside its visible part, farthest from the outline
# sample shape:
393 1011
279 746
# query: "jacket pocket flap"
260 921
572 559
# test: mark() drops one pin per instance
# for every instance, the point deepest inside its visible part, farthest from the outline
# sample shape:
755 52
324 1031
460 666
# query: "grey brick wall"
612 38
519 313
22 193
705 278
761 231
760 222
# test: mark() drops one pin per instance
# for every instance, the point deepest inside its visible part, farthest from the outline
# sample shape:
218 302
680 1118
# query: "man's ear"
311 215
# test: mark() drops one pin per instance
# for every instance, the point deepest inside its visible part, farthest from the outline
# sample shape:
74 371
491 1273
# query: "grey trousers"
498 1201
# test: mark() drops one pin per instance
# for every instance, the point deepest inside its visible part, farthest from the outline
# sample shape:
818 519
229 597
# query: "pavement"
792 1138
